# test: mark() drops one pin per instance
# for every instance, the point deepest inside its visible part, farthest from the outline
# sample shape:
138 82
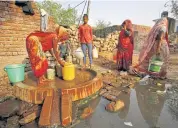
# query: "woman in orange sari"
37 43
125 46
156 44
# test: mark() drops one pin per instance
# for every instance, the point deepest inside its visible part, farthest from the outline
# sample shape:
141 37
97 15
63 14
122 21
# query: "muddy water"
80 78
144 109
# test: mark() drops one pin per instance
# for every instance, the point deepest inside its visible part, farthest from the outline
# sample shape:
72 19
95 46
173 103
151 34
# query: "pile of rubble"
115 86
18 114
103 44
107 44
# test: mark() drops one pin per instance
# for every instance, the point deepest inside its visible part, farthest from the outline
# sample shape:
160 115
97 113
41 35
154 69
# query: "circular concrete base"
85 84
57 95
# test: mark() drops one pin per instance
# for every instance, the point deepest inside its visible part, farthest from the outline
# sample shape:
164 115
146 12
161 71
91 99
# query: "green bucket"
15 72
155 66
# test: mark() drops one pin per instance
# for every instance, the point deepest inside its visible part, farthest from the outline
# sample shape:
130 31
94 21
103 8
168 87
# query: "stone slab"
13 122
33 124
9 108
55 118
45 116
66 109
29 118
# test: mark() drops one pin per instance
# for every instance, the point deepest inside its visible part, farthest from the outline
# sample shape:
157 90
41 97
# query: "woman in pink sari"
156 44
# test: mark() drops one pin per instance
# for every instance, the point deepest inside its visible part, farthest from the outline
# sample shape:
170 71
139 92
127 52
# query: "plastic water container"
79 53
95 53
59 70
51 74
115 54
155 66
69 59
68 72
15 72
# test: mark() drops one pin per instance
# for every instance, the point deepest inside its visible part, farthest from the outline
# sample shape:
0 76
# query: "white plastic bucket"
79 53
95 53
69 58
51 74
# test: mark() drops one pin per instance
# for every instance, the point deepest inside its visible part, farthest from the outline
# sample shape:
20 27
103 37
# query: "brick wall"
14 28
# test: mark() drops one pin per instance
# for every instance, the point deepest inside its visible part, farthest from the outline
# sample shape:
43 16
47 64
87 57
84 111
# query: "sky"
141 12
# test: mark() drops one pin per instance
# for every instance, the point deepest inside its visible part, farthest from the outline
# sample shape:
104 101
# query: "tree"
61 16
100 24
174 9
173 4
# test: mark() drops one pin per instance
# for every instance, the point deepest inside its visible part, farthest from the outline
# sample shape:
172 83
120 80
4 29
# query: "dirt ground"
105 61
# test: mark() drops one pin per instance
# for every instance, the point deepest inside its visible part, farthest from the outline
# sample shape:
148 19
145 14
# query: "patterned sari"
150 47
125 48
38 43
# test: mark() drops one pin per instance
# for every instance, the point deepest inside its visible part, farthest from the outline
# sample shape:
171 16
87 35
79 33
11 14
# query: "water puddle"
144 108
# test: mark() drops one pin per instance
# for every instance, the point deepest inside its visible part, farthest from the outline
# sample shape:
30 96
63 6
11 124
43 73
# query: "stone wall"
107 38
103 33
14 28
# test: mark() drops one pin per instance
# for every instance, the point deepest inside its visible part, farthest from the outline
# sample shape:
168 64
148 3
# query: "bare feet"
45 79
42 81
83 67
90 66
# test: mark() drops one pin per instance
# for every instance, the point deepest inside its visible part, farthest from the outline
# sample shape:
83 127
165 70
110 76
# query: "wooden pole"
88 8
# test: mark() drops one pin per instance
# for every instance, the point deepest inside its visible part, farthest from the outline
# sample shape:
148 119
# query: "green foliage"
61 16
174 7
100 24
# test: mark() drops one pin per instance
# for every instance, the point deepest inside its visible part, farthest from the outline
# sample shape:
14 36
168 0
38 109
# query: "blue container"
15 72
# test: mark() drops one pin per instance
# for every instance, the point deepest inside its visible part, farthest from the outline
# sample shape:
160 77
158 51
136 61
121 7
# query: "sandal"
136 73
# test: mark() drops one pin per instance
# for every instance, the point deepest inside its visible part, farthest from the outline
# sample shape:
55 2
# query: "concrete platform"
54 94
85 84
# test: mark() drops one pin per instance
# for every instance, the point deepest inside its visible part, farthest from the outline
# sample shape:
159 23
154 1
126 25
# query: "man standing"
86 38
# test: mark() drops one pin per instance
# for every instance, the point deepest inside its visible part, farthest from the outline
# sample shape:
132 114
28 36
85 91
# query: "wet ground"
144 108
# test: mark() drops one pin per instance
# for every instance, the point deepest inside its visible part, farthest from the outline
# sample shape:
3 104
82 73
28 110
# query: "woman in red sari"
125 46
37 43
